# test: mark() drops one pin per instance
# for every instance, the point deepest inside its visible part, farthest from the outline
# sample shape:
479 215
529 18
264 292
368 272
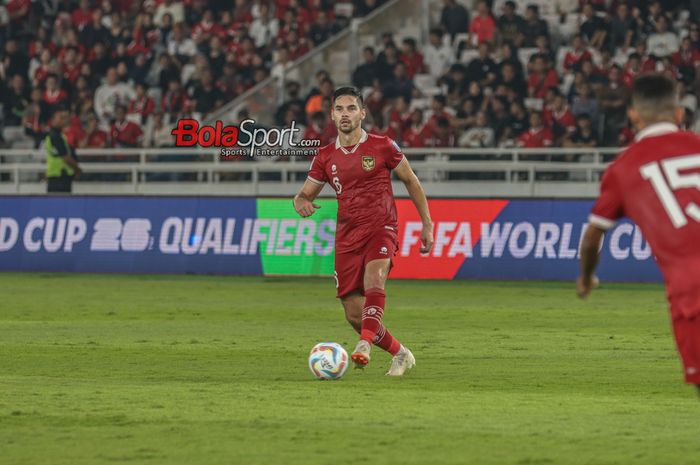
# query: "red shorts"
687 333
350 267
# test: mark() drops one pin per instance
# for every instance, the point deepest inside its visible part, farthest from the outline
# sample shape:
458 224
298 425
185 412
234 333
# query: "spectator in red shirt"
241 13
417 134
558 117
142 104
578 53
74 131
538 135
71 65
43 69
400 116
314 131
173 101
438 107
443 135
686 60
53 95
82 16
632 68
559 114
411 57
482 26
125 133
380 129
71 41
204 30
93 136
297 46
541 78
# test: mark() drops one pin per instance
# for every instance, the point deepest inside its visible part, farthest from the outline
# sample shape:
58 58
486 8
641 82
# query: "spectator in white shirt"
179 45
663 42
438 56
110 94
263 30
174 9
480 135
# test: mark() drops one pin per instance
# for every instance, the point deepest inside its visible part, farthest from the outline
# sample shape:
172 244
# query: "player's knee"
375 280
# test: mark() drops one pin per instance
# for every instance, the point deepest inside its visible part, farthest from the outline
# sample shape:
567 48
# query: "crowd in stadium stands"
500 74
128 69
504 79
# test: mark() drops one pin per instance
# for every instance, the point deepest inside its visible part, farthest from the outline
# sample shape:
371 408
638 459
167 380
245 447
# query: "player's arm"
303 201
606 211
417 194
590 245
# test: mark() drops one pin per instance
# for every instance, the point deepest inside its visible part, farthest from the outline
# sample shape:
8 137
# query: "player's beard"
347 128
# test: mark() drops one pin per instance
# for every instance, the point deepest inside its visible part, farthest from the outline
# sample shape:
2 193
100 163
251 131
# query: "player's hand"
304 207
585 284
426 238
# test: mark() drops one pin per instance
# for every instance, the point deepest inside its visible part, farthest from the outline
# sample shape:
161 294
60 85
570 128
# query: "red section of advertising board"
456 230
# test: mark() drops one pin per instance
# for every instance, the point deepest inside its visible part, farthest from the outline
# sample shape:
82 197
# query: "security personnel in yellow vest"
61 161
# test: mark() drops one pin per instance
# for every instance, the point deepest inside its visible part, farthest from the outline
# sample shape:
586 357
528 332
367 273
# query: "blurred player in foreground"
358 166
656 183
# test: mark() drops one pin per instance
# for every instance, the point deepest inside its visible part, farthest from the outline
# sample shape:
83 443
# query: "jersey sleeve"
608 208
317 170
394 155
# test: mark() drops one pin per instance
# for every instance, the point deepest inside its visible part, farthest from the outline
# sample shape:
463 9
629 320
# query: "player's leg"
374 278
376 273
352 303
687 335
374 281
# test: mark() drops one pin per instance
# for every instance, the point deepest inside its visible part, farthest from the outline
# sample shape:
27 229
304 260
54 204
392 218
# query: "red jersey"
414 63
97 138
417 136
563 118
483 28
540 83
656 183
535 138
573 58
361 178
126 134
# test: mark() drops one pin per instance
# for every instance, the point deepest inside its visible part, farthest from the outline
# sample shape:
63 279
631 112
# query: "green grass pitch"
108 369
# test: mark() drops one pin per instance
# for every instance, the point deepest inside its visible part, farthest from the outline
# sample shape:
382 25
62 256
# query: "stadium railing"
520 173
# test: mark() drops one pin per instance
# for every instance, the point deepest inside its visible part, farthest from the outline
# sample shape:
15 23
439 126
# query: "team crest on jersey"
367 163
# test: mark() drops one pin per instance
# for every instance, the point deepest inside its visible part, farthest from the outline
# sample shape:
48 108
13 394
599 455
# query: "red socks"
372 329
386 341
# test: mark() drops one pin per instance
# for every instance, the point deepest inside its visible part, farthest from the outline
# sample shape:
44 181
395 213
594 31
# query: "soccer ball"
328 360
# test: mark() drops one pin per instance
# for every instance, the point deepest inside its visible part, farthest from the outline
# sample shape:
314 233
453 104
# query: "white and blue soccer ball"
328 360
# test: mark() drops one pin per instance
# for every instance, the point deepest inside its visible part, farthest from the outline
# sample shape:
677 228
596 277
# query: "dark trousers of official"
60 184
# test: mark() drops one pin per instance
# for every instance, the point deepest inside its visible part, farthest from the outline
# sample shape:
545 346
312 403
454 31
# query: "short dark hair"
348 90
654 93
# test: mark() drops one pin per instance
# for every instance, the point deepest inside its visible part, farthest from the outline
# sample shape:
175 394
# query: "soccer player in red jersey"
656 183
358 167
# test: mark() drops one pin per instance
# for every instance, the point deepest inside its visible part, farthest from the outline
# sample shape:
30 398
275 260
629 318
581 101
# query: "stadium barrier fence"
510 173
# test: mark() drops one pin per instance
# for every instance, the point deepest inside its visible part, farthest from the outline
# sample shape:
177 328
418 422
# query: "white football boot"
360 356
402 361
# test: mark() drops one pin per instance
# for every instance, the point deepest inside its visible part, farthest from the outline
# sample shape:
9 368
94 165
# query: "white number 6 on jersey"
336 183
